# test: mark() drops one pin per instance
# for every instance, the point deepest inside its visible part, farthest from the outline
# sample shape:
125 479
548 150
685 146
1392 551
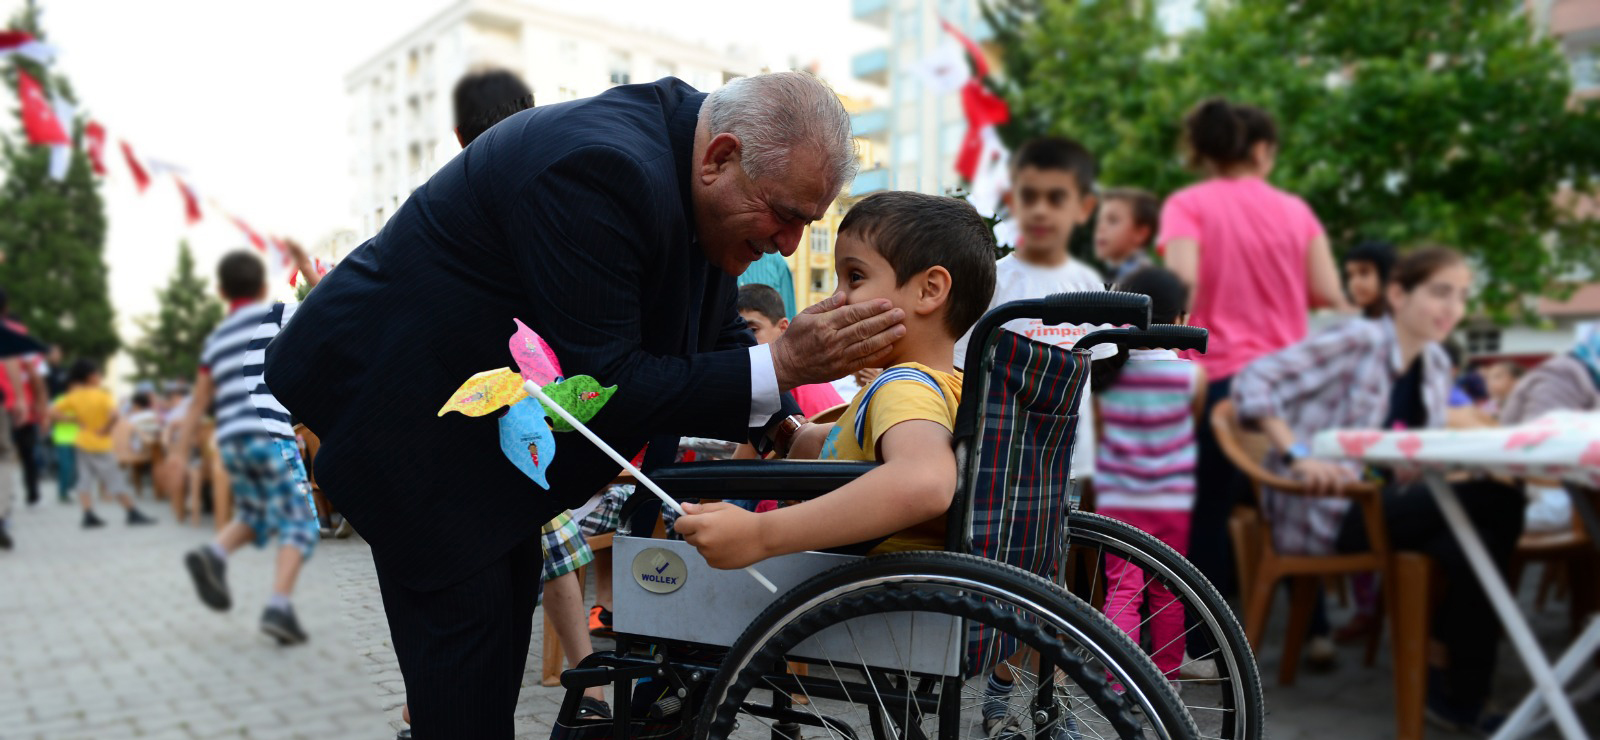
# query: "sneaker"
5 538
1321 653
1447 717
209 573
281 624
90 521
137 518
599 620
343 530
1006 727
1002 727
1198 670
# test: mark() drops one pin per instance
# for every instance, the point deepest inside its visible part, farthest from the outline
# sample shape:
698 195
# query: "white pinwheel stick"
534 390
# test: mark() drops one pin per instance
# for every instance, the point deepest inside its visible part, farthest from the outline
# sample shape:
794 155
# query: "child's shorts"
565 549
96 469
270 490
605 514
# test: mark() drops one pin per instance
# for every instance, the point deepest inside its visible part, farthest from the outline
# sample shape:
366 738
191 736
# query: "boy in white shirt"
1052 194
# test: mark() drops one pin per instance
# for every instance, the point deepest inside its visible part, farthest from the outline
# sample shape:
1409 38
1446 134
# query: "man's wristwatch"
1296 451
782 434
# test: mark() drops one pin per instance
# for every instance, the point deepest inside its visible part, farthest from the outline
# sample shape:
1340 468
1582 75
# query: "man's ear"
721 153
459 140
933 290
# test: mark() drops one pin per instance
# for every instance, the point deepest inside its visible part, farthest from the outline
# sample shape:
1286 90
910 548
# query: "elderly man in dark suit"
614 226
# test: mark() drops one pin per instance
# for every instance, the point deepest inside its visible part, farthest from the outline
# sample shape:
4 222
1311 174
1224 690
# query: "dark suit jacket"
575 218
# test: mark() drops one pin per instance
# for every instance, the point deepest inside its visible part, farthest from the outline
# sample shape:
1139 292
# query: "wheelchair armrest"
788 480
791 479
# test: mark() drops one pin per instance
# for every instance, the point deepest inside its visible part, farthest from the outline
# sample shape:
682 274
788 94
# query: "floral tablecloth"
1563 444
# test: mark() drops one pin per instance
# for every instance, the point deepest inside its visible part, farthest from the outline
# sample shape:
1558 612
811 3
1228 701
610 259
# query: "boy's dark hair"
1144 204
1380 254
1169 299
761 299
82 370
1058 153
1223 133
242 275
914 232
486 97
141 400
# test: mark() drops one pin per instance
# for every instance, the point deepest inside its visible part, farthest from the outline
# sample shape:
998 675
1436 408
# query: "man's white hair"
775 114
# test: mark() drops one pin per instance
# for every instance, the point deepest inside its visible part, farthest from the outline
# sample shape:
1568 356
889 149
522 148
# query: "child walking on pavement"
94 410
270 489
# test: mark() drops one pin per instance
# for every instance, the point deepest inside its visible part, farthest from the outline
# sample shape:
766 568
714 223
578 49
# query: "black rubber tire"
913 582
1236 660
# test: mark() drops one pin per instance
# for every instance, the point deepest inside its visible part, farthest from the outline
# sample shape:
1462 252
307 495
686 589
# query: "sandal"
591 708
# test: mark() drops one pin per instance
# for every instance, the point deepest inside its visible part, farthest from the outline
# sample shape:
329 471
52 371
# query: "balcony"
871 12
870 181
872 124
871 66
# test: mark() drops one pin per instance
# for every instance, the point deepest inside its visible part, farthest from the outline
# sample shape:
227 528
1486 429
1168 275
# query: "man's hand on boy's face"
830 340
727 536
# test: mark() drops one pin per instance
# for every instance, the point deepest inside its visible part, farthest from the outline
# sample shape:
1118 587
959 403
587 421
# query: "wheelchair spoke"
810 704
868 673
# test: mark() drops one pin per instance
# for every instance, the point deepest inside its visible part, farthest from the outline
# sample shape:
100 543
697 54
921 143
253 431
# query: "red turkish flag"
249 233
94 137
191 204
38 115
140 177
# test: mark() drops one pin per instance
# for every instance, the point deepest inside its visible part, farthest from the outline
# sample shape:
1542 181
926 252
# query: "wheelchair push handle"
1081 307
1164 336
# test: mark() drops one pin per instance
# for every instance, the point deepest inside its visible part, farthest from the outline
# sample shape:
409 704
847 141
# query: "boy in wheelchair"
933 257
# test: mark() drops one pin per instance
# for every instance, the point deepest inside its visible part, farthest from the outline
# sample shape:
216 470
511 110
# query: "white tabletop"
1562 444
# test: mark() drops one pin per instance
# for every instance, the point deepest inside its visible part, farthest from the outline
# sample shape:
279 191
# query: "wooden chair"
1568 557
1404 577
309 445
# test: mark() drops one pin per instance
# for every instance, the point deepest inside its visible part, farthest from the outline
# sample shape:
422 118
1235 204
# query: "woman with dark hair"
1388 373
1255 259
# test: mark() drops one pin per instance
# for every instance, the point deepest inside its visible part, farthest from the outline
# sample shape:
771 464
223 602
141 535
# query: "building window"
1586 69
951 137
618 68
820 237
908 148
1484 341
414 157
819 280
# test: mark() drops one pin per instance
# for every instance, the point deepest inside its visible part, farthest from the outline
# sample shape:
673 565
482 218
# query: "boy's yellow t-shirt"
901 394
93 409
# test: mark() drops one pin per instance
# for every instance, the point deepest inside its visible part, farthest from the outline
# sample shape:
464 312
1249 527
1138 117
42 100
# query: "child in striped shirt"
1146 461
270 489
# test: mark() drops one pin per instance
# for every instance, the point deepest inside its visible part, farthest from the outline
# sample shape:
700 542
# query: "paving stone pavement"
101 636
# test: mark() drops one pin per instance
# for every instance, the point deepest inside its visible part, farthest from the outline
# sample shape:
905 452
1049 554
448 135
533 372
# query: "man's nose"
788 238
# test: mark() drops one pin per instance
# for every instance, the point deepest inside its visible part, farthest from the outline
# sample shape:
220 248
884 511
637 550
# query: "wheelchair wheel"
1229 705
974 614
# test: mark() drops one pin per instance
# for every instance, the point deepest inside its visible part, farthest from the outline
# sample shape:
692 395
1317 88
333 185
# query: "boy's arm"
916 482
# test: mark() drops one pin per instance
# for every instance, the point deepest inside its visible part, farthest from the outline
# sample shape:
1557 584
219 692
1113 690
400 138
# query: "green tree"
173 338
52 234
1413 122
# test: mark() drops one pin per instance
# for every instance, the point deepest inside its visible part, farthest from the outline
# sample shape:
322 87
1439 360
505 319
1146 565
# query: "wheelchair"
903 645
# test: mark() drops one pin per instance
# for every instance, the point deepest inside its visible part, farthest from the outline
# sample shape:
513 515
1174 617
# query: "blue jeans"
66 469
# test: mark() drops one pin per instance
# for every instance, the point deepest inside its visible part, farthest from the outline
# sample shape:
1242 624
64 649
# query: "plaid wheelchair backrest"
1017 475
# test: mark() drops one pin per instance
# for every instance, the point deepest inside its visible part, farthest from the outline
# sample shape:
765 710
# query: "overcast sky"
249 98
